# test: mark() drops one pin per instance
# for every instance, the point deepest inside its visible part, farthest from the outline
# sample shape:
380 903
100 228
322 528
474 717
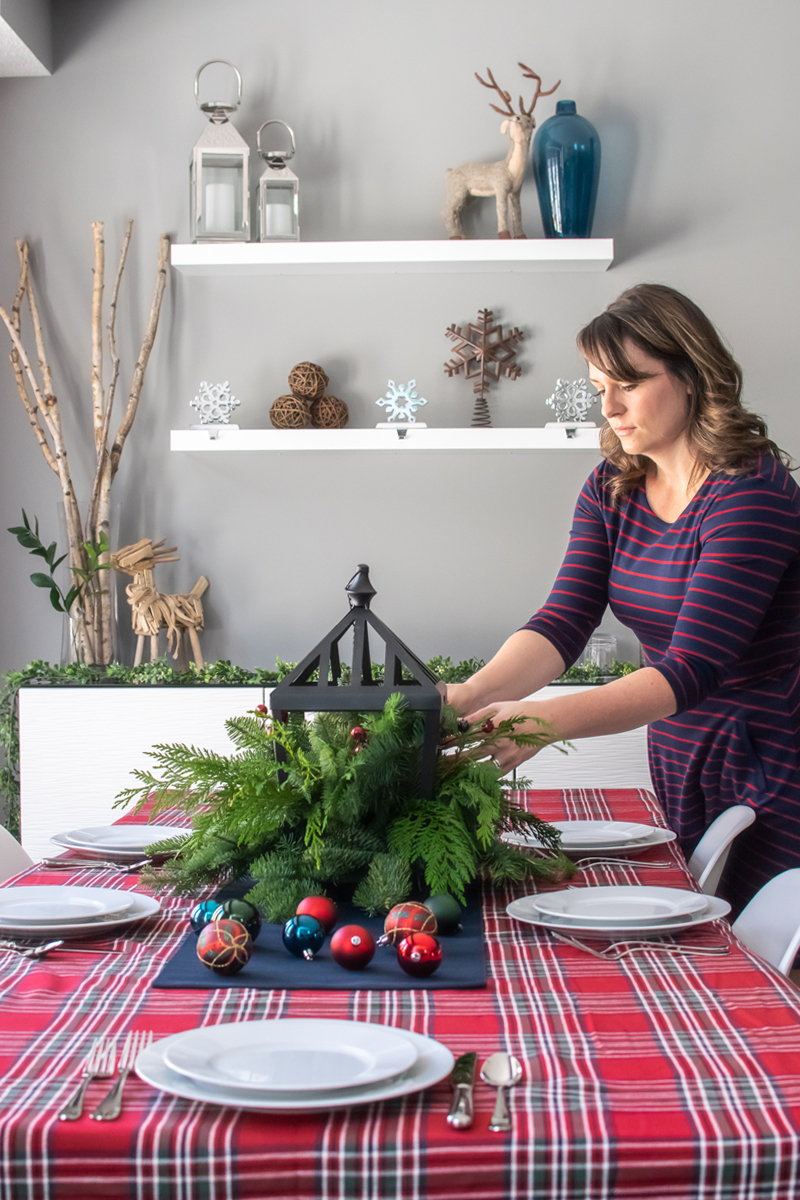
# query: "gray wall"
695 102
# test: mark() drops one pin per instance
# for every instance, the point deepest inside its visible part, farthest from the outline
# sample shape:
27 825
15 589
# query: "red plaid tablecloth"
655 1076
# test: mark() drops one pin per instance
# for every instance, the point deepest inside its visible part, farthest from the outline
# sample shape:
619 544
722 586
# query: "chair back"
711 852
770 924
13 858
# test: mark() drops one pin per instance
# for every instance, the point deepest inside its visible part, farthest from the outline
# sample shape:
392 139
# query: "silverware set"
623 946
25 950
93 864
100 1063
589 864
501 1071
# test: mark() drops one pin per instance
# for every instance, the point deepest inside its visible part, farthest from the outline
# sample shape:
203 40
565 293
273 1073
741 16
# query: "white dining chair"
12 856
711 852
770 924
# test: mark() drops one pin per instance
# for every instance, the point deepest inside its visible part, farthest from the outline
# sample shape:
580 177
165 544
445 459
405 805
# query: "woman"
690 530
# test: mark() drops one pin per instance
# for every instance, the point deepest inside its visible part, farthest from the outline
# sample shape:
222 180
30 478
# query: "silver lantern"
220 195
278 193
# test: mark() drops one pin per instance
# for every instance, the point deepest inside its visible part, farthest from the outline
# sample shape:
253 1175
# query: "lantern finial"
359 590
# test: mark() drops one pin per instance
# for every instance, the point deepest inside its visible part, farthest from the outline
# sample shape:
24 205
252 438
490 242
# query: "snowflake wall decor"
484 353
401 401
214 403
572 399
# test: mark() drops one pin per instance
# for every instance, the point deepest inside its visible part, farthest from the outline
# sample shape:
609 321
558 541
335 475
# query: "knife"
462 1078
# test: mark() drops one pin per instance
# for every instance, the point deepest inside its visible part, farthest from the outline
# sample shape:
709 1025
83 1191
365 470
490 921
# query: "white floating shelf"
386 439
334 258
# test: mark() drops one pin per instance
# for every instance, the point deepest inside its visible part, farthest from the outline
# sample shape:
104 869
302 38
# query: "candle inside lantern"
278 219
220 207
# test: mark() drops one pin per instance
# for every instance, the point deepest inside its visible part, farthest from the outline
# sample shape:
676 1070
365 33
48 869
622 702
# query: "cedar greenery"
330 815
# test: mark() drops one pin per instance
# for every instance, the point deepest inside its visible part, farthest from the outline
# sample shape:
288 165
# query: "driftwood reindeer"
152 610
502 180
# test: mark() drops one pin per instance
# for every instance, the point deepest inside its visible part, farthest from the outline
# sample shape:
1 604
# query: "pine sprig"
298 807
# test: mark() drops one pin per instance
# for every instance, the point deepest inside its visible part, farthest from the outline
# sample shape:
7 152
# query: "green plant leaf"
55 600
40 580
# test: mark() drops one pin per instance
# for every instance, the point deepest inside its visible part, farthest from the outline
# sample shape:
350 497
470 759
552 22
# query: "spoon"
501 1071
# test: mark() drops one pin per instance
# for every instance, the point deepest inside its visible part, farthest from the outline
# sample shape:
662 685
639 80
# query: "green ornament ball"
447 912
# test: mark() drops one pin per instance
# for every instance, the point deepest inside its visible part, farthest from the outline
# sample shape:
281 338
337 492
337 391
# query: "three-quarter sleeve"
579 597
744 582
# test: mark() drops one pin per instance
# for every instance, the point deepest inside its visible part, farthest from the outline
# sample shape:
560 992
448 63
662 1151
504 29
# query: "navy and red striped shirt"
714 598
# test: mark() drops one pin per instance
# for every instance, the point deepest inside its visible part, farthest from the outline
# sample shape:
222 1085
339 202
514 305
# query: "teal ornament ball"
447 912
303 936
202 913
240 910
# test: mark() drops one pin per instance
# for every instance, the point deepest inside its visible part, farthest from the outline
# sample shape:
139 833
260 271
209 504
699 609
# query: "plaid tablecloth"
652 1077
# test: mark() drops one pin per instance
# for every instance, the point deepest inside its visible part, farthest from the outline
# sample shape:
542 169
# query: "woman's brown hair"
666 325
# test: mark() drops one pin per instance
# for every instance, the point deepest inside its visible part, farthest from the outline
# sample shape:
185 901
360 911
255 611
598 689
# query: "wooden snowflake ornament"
484 353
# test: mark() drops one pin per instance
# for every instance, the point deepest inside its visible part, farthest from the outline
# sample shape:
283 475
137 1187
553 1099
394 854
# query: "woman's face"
650 416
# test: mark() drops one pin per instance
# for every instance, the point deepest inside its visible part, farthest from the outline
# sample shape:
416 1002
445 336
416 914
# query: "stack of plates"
290 1065
613 910
599 837
122 843
66 911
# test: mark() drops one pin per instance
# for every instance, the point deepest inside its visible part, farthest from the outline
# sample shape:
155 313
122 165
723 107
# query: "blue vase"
566 167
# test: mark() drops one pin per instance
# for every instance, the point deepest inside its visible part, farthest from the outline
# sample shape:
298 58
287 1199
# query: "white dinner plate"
64 904
291 1055
655 836
141 907
525 910
641 904
433 1063
126 842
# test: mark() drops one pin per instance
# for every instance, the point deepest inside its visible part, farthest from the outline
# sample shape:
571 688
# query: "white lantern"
278 194
220 194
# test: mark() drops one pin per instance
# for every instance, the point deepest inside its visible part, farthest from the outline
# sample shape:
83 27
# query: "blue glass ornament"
566 167
303 936
240 910
202 913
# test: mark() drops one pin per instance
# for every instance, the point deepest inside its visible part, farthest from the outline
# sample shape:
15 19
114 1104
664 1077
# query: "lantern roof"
316 683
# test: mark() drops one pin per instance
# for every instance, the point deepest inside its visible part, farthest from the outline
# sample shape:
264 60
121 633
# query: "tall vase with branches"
92 612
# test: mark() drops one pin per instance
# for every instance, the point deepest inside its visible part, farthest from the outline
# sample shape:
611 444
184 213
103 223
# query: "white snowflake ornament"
401 401
214 403
572 399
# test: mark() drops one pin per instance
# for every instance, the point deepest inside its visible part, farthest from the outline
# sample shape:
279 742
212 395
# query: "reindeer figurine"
502 180
152 611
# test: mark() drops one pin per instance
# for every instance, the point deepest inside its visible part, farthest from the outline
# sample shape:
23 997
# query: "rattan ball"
329 412
307 380
290 412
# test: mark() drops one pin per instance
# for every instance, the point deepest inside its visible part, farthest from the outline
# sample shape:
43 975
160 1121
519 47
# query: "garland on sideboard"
160 674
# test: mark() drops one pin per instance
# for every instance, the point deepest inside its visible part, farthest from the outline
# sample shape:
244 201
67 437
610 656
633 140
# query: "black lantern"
403 672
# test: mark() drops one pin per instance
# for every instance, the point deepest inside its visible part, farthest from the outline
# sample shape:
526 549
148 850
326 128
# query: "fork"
99 1064
611 953
92 864
26 951
591 863
110 1106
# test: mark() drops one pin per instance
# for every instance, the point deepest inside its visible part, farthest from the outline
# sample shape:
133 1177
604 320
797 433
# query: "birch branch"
44 366
98 272
144 355
31 407
101 470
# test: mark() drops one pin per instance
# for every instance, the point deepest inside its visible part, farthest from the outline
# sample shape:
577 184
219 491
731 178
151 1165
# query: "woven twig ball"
289 412
307 380
329 412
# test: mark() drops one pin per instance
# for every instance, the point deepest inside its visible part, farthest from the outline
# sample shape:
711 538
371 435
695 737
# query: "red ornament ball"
406 918
262 710
352 947
320 907
419 955
487 726
224 947
359 735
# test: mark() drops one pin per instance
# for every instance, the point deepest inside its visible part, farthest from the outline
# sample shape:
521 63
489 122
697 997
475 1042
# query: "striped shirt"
714 598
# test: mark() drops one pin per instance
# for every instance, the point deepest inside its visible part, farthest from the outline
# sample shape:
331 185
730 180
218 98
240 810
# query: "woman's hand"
508 754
